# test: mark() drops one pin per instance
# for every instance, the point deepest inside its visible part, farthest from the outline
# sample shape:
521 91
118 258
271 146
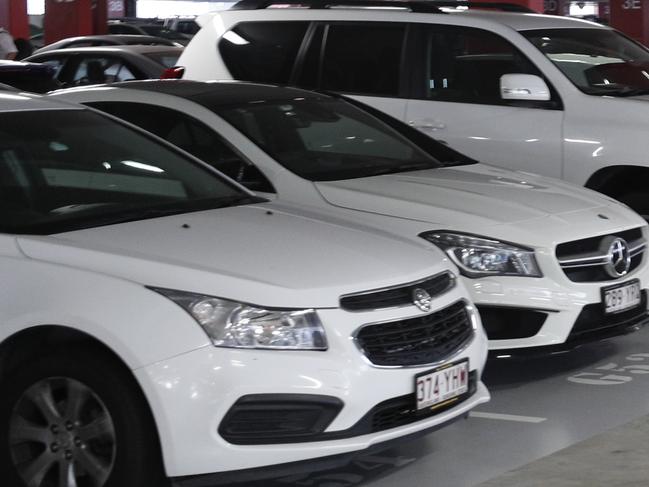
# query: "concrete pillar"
13 17
632 18
69 18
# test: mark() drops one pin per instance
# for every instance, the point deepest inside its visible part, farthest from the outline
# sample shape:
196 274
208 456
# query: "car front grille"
585 260
417 341
396 296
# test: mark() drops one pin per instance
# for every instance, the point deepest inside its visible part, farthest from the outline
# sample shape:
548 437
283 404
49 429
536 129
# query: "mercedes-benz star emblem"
422 299
617 255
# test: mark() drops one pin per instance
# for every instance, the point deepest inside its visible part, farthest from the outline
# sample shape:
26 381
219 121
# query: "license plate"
441 385
621 297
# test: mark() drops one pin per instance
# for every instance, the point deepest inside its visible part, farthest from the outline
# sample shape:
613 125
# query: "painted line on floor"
507 417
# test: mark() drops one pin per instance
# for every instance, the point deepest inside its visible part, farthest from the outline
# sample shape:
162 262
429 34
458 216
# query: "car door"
456 98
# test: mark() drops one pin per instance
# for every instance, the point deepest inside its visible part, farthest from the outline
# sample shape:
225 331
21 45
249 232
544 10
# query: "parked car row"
211 277
149 287
532 250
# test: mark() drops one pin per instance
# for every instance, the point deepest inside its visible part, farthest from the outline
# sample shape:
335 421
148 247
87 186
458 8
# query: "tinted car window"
262 51
465 64
99 69
67 169
56 63
327 140
191 135
363 58
597 61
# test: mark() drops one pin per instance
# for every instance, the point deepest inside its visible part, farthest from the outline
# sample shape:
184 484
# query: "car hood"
481 198
262 254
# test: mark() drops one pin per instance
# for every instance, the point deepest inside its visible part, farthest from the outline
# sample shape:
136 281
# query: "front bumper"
551 312
191 394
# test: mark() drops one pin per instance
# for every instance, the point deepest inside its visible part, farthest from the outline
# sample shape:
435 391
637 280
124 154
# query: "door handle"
427 125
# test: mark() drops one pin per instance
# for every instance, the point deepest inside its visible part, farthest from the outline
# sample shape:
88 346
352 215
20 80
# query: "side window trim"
298 65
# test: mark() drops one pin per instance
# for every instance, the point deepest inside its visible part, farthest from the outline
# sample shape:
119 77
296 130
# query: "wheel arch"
616 181
37 341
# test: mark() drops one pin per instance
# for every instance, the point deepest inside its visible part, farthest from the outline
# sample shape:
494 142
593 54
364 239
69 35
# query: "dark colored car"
108 40
38 78
98 65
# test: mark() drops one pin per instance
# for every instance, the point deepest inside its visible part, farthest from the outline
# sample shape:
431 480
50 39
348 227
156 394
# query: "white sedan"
550 265
159 320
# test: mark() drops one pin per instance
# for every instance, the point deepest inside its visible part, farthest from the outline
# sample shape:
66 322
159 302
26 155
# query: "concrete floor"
533 431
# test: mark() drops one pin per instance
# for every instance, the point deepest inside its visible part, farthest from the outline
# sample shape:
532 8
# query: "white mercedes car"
550 265
159 320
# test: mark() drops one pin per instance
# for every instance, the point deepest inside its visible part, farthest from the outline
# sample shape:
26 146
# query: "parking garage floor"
578 419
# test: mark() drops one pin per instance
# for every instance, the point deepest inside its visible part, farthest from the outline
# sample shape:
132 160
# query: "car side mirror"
523 87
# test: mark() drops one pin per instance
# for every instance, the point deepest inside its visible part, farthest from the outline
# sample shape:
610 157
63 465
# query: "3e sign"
632 4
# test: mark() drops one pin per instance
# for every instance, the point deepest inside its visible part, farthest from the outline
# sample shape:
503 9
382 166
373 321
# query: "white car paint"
95 281
590 140
526 209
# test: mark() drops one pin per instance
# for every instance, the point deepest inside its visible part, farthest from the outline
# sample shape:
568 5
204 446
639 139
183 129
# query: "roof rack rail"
419 6
504 6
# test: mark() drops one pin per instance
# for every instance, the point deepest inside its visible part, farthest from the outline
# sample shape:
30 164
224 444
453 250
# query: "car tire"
638 202
76 415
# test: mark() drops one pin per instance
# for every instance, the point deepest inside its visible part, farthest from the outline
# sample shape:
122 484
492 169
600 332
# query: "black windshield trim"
126 215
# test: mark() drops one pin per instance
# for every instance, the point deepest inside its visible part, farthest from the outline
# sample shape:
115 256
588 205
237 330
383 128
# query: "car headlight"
479 256
239 325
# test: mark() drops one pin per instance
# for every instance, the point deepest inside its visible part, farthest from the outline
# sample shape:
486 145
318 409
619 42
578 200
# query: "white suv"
553 95
539 255
157 318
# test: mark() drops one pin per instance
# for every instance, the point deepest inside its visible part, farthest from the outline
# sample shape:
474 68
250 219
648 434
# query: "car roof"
10 101
213 94
137 49
527 21
126 38
514 20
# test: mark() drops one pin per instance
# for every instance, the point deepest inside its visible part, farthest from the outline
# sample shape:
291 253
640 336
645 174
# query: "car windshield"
326 139
63 170
597 61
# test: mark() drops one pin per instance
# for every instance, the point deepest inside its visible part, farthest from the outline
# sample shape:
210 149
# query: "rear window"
262 51
166 59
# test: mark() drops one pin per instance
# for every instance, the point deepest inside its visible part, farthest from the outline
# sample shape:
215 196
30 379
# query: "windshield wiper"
618 91
633 92
129 213
402 168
